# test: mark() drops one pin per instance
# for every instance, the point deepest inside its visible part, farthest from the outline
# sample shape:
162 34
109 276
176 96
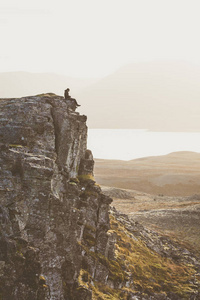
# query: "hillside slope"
175 174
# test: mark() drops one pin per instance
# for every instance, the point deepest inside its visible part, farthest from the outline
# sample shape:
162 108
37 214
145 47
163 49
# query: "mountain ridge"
156 96
174 174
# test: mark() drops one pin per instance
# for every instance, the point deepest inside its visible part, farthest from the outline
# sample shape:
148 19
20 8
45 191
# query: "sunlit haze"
93 38
131 144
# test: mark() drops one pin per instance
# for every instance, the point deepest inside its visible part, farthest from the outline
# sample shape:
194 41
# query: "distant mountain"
175 174
160 96
19 84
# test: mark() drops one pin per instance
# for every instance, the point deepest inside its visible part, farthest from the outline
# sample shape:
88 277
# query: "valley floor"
162 193
175 174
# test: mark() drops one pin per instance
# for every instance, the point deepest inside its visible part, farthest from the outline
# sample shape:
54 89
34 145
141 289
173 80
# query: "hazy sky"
92 38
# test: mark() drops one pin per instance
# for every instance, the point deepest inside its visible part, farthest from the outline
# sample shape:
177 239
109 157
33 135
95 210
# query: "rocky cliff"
57 240
50 205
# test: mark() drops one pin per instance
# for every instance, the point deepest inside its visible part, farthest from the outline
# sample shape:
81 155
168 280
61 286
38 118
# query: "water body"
127 144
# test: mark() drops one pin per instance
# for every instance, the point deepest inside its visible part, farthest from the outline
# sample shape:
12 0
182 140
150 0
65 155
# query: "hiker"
71 101
67 96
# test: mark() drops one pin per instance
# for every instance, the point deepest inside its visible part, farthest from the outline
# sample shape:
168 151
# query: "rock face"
57 241
50 206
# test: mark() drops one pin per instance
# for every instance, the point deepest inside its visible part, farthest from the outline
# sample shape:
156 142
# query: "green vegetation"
75 180
150 271
72 183
86 177
90 227
89 235
15 146
146 271
89 238
88 193
100 291
42 278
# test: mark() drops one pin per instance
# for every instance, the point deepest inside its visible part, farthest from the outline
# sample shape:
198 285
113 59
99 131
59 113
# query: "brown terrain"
175 174
162 193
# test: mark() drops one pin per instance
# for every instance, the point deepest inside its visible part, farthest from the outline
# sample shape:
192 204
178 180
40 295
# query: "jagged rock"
87 164
46 213
72 104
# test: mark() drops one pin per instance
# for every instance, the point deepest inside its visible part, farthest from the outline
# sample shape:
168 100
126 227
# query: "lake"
127 144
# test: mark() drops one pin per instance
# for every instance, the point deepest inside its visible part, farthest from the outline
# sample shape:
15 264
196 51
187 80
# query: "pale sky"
92 38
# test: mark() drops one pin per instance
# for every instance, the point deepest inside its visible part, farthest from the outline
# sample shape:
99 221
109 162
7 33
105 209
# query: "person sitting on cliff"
67 96
73 101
